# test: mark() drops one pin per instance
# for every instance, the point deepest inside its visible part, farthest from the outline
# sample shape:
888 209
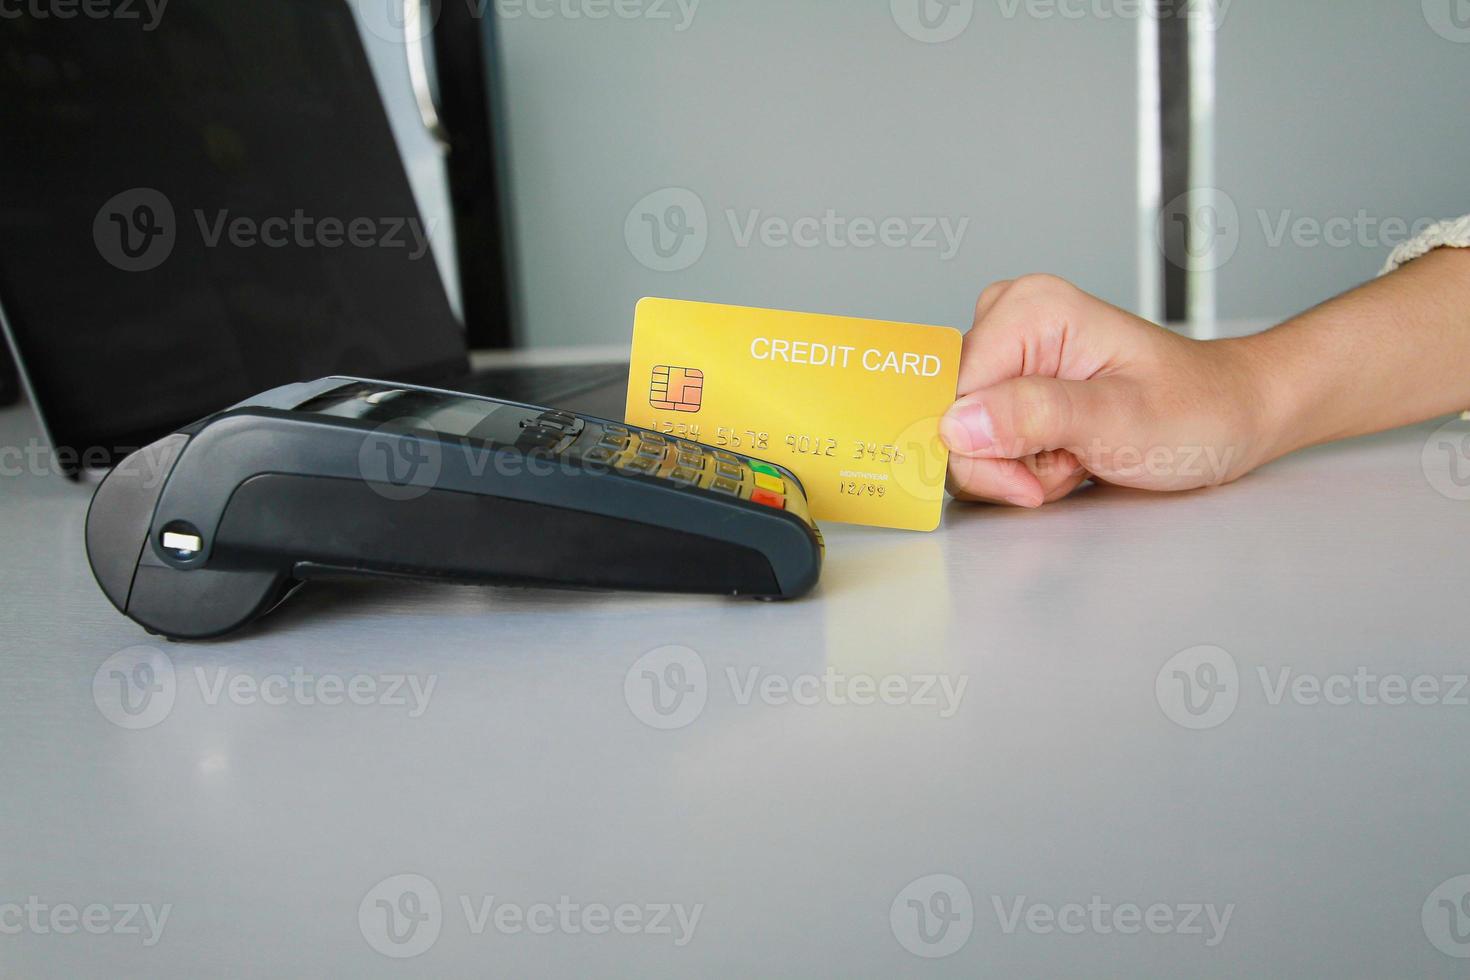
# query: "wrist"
1264 384
1389 353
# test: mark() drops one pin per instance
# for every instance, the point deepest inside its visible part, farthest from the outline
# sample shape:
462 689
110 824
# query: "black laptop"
203 206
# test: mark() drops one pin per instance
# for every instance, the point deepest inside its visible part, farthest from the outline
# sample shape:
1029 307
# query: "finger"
1059 473
1013 322
1068 488
979 348
995 481
1026 416
989 296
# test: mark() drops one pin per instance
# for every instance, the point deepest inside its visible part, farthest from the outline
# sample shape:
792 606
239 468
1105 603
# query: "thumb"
1025 416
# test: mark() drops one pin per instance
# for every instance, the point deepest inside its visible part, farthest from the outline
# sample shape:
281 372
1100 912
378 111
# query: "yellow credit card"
852 407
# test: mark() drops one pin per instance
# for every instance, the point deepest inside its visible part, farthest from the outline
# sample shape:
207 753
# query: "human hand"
1058 387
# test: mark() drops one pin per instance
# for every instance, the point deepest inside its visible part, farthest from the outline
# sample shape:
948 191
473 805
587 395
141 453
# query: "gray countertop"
1215 734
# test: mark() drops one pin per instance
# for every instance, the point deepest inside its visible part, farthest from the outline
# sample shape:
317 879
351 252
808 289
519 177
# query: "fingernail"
1030 503
967 429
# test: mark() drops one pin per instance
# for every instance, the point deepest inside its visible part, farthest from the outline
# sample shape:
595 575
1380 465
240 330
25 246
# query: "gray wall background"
1025 123
1026 126
1326 107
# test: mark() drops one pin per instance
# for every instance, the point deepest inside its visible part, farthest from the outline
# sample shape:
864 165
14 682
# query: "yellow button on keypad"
770 483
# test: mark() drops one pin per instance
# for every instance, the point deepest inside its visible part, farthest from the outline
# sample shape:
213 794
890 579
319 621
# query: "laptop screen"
200 205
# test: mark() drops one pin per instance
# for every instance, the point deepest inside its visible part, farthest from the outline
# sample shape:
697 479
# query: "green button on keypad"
763 468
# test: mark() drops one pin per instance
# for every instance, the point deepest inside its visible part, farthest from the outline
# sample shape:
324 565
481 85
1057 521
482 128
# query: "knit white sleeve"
1445 234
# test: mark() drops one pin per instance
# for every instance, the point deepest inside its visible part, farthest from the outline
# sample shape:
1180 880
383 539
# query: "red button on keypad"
768 499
